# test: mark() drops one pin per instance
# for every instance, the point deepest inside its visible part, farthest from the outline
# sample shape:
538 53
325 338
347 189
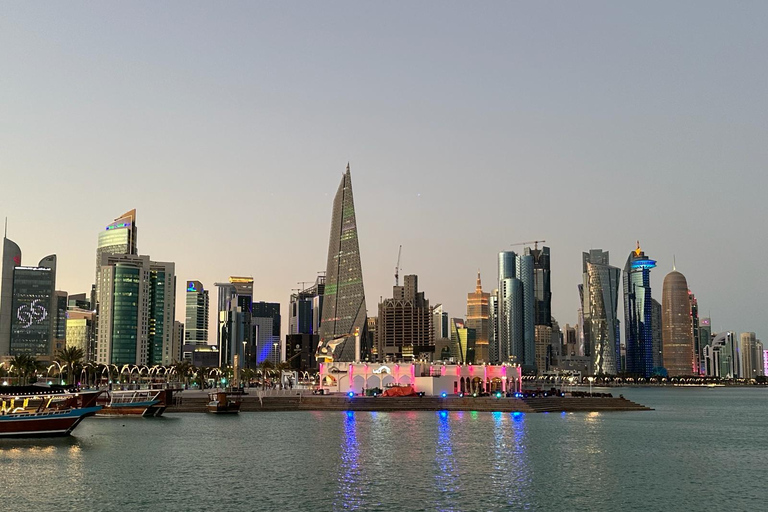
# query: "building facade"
638 313
677 326
343 313
599 295
197 314
479 319
404 330
234 335
266 321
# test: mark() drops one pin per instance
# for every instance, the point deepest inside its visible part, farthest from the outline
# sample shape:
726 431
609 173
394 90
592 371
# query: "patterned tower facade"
344 313
676 326
479 319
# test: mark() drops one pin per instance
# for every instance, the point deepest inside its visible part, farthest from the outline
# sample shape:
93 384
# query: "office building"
404 330
462 341
34 310
493 337
638 313
305 309
722 358
81 331
163 348
343 312
234 335
598 314
479 319
697 345
752 355
197 314
705 339
658 354
516 310
265 318
118 237
178 341
677 326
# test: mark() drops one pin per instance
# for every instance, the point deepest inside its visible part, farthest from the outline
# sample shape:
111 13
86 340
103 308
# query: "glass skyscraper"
638 313
11 260
197 313
344 313
34 310
600 301
516 310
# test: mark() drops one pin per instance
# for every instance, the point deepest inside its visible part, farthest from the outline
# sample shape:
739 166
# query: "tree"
71 357
24 366
184 369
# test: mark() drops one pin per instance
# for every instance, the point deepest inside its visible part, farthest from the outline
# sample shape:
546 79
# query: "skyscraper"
516 310
462 341
235 302
638 313
11 260
677 327
405 323
344 313
705 339
305 309
119 237
479 319
197 313
33 322
493 338
752 355
266 320
136 310
656 343
697 346
600 301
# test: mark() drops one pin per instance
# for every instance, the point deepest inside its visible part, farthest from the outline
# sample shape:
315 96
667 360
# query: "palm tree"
71 357
24 366
184 369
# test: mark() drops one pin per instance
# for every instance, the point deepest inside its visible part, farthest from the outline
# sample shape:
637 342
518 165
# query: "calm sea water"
700 449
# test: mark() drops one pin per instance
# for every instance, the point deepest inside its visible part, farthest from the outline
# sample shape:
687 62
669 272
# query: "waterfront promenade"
303 400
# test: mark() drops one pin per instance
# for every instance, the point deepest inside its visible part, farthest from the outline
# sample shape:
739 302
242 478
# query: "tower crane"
397 267
534 242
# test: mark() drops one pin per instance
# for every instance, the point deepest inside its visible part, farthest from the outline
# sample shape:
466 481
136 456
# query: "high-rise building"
462 341
493 336
266 320
178 341
343 313
599 294
542 291
123 316
305 309
638 313
517 337
162 349
11 260
677 326
705 339
234 335
34 310
722 357
751 355
405 323
197 313
81 331
59 339
137 304
479 319
697 344
656 343
119 237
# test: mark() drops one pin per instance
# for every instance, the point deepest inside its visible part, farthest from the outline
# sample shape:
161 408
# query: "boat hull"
152 408
54 424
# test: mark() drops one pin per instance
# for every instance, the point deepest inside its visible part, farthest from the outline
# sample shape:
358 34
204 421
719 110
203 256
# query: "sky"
468 126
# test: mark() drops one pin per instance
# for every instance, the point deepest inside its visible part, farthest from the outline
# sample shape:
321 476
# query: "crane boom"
534 242
397 267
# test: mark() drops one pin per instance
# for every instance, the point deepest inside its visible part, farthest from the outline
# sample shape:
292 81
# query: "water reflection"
511 468
446 476
348 496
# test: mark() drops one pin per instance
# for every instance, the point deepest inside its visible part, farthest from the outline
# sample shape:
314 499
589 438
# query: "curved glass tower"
11 260
600 306
344 315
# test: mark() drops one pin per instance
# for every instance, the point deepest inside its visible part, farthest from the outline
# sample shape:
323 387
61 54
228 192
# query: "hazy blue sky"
468 126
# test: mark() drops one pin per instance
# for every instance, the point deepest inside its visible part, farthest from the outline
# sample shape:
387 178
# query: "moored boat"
221 403
39 411
139 402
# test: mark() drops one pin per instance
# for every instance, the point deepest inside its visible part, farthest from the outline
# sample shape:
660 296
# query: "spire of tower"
674 263
479 285
347 167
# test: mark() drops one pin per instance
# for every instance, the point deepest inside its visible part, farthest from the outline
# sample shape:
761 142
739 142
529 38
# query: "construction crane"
397 267
534 242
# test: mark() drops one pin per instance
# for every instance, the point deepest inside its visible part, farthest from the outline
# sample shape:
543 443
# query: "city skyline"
522 124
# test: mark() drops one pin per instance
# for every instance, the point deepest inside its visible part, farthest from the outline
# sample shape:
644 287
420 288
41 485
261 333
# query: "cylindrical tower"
677 327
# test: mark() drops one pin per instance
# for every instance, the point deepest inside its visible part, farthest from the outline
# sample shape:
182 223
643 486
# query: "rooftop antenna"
674 263
5 233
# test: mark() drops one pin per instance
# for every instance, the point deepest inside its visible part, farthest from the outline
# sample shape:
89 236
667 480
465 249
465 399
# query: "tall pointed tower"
479 319
344 314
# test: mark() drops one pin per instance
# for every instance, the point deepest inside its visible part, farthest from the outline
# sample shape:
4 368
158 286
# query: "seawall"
452 403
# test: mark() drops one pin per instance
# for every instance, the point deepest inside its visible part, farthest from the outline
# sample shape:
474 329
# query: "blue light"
444 394
191 287
443 415
498 394
643 264
351 394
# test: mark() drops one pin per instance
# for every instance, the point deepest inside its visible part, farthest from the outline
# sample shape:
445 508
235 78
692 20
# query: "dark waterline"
700 449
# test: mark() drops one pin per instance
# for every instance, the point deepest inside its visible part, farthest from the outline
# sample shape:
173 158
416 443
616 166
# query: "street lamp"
275 345
590 379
